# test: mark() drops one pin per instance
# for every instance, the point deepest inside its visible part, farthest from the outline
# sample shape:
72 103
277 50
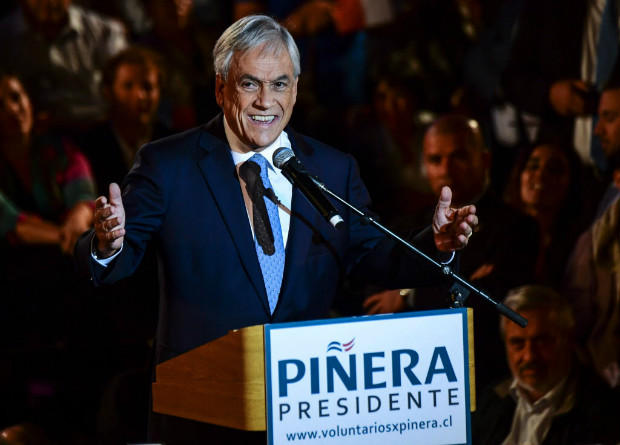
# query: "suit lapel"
304 218
219 173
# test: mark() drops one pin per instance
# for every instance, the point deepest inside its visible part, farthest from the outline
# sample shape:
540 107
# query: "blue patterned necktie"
606 55
267 230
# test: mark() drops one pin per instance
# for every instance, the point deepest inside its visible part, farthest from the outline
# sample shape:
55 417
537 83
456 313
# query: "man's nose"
444 166
265 98
529 352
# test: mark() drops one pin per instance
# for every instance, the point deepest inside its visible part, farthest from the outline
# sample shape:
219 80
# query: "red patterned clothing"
61 177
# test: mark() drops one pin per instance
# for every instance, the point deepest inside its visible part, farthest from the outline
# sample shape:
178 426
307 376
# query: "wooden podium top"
221 382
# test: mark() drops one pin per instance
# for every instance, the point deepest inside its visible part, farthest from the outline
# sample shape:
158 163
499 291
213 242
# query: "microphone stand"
460 288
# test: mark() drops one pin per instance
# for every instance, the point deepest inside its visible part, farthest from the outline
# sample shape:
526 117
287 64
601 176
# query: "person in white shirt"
550 397
59 50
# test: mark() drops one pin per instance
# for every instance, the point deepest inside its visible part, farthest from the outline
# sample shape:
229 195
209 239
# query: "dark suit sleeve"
392 265
378 259
144 204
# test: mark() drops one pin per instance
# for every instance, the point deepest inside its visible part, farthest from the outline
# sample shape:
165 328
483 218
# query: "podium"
297 376
221 382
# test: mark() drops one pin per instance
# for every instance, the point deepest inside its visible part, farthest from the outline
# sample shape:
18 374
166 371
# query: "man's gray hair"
252 32
540 297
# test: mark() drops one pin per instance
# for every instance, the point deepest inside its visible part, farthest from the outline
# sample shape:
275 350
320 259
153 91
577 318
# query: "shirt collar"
281 141
554 397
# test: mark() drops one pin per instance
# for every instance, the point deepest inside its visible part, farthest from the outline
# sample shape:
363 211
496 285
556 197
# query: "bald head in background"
455 156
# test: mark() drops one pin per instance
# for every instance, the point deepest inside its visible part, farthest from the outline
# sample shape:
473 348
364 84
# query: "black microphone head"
281 156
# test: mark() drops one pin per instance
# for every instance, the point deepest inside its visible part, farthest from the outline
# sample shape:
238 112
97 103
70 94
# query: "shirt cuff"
102 261
444 255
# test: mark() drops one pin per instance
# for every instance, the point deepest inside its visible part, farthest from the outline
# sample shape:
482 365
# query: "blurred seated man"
503 254
58 50
550 397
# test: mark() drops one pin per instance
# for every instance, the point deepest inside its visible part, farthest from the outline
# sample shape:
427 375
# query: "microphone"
285 159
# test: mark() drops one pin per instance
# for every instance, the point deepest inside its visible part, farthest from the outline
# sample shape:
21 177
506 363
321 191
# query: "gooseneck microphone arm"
285 159
445 269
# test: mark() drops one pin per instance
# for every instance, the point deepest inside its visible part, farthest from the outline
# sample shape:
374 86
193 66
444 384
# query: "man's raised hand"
452 227
109 222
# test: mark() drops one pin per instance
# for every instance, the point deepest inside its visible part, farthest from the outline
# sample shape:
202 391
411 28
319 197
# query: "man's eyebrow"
257 80
249 77
282 77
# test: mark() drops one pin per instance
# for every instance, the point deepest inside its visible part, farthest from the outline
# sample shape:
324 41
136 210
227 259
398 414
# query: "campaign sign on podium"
397 379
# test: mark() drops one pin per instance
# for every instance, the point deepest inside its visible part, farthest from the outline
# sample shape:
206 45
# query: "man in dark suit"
185 196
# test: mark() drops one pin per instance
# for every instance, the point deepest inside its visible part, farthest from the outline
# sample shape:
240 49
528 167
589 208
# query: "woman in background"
47 189
545 184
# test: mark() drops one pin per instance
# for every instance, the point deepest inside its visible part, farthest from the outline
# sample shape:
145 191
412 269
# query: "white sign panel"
397 379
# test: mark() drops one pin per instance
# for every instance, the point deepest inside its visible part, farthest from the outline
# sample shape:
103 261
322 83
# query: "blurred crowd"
511 103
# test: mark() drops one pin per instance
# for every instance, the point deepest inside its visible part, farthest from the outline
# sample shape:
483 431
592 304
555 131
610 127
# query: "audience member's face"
538 355
46 11
135 94
393 104
545 179
258 97
451 161
608 126
15 108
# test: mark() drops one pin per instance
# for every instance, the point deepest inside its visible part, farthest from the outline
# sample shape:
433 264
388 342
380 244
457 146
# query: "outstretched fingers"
110 220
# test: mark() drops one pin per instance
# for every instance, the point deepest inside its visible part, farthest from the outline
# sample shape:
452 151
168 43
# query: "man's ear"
219 90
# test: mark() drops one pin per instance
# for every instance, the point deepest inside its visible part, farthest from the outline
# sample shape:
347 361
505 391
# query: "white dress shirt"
532 421
281 186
